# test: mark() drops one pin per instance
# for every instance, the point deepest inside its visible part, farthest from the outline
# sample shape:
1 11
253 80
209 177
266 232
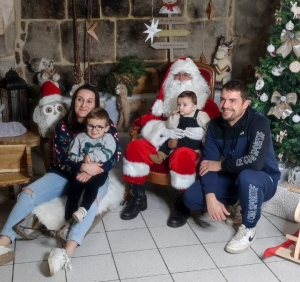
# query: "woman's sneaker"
6 255
241 241
58 259
80 214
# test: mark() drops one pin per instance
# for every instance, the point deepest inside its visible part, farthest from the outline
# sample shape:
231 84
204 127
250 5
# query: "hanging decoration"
277 70
282 109
296 118
271 50
295 9
291 41
289 25
259 84
278 19
152 30
264 97
281 135
210 10
294 67
169 7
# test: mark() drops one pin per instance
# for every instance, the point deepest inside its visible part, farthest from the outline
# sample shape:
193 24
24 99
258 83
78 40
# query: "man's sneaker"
57 260
6 255
241 241
80 214
235 218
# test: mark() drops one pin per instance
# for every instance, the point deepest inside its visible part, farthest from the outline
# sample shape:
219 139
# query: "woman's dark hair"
239 86
70 117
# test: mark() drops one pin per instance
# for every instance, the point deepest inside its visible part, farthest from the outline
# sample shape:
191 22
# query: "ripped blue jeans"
48 187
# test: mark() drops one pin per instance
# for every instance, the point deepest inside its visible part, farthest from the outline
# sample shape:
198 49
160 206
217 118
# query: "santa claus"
183 75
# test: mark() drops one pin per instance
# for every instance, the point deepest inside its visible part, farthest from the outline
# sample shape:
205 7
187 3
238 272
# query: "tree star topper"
152 30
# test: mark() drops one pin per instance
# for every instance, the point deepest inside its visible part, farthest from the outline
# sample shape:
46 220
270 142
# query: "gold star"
90 28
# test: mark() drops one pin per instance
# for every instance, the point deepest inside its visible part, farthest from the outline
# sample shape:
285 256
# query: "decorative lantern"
14 97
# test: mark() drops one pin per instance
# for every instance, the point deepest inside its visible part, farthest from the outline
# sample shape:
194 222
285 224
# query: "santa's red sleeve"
211 108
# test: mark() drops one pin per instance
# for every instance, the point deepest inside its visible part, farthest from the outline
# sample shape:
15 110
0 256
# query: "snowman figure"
169 7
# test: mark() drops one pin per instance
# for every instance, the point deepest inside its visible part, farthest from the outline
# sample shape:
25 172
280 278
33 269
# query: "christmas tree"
275 91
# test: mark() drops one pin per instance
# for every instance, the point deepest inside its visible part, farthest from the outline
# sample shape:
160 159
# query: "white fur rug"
51 213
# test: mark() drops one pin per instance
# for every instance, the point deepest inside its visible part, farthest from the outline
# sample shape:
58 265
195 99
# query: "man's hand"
83 177
176 133
92 168
207 166
216 209
195 133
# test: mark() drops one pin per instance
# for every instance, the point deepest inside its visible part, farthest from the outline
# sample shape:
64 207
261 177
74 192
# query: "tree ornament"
291 41
278 19
281 135
277 70
210 10
152 30
259 84
295 9
296 118
271 50
289 26
294 66
282 109
264 97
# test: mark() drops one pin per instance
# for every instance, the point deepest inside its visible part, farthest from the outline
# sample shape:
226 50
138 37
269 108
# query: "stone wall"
45 29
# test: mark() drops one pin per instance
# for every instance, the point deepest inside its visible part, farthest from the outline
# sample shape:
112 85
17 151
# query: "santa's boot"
158 158
136 203
180 213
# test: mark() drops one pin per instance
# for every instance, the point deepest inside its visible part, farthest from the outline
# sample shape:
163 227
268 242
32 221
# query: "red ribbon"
169 6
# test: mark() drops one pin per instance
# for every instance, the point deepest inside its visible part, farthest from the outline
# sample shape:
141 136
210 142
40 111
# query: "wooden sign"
169 45
176 20
173 32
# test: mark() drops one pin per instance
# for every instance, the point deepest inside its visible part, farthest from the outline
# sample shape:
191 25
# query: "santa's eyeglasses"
184 75
96 127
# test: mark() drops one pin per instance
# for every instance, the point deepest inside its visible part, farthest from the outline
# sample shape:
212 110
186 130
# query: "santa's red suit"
182 161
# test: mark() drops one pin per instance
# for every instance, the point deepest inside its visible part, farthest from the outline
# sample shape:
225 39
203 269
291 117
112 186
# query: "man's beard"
172 90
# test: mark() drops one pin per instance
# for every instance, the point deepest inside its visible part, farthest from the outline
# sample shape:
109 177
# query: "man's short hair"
237 85
98 113
188 94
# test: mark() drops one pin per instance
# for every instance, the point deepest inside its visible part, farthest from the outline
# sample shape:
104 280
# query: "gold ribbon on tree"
282 109
291 41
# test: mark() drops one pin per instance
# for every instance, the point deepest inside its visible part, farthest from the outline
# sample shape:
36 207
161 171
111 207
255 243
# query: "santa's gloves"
195 133
175 133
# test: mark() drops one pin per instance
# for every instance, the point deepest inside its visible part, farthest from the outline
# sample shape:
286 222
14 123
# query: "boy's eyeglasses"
97 127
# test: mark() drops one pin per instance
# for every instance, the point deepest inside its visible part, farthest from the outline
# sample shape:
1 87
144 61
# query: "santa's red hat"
180 65
50 93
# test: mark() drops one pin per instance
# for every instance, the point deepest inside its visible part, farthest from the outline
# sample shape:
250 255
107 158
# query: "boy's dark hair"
70 117
188 94
98 113
237 85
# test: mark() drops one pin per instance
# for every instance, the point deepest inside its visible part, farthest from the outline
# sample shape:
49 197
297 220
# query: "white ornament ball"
271 48
296 118
283 99
294 66
259 84
289 26
264 97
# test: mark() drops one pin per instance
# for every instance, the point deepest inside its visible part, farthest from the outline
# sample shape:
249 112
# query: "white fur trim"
49 99
182 181
186 65
51 213
135 169
153 132
157 108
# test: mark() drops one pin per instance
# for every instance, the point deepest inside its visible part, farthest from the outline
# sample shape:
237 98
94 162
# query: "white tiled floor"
146 250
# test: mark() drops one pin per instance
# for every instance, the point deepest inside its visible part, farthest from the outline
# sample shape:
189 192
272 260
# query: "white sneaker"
6 255
80 214
235 218
241 241
58 259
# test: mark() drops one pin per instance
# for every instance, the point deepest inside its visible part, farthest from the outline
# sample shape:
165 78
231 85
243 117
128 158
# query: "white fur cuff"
135 169
157 108
182 181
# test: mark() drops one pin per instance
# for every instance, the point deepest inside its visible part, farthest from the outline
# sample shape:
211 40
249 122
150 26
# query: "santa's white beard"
172 90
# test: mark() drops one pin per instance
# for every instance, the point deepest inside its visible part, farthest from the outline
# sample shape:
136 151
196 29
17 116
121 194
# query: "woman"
53 183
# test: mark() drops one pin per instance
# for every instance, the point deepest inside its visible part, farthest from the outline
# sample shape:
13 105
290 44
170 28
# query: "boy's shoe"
58 259
6 255
241 241
80 214
235 218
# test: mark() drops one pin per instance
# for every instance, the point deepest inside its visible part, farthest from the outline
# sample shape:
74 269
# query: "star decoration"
90 28
152 30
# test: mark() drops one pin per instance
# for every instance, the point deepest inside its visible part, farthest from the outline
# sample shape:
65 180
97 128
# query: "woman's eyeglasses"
97 127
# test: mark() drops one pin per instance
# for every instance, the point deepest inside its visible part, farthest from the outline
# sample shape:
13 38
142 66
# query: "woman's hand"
83 177
92 168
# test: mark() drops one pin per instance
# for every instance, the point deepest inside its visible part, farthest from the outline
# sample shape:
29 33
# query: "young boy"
186 115
94 146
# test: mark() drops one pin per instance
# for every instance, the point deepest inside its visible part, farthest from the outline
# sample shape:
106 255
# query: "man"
239 164
183 75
